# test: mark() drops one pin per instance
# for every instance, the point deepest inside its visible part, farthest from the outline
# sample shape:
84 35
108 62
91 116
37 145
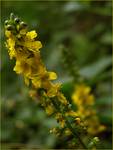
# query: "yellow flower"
53 89
8 33
71 113
76 99
31 35
33 45
30 42
52 75
22 66
62 98
49 109
83 89
84 101
36 83
11 46
82 95
25 48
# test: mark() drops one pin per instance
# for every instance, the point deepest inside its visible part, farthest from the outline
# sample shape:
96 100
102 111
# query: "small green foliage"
93 143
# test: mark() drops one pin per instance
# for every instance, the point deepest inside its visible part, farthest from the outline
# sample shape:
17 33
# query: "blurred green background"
84 29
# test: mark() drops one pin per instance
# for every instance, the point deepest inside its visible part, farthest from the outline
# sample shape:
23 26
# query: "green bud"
95 139
17 20
11 16
9 27
23 25
69 105
93 142
6 22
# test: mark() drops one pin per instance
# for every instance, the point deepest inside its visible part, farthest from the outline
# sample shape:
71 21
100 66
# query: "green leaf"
96 68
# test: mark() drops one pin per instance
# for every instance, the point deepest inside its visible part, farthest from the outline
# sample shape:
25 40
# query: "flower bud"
95 140
23 25
77 120
69 105
6 22
17 20
11 16
9 27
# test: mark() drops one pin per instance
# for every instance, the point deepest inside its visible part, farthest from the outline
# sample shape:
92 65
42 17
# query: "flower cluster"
24 46
84 101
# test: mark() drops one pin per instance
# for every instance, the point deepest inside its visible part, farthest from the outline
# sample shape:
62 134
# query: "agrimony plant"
24 47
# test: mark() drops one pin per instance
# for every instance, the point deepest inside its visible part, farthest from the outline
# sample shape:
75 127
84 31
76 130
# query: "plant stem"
75 134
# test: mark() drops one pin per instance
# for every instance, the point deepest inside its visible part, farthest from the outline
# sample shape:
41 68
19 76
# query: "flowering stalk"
24 47
71 128
82 97
84 101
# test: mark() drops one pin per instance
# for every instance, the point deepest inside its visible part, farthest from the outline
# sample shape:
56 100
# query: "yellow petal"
62 98
33 46
52 75
36 83
49 109
7 33
31 35
36 45
53 90
18 69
